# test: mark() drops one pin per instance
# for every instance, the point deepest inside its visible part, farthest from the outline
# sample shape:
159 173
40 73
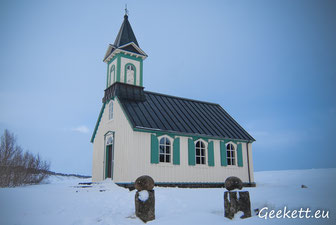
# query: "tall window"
111 110
112 75
231 154
165 150
130 74
200 152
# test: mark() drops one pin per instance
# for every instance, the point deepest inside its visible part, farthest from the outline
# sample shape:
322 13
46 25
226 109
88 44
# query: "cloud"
81 129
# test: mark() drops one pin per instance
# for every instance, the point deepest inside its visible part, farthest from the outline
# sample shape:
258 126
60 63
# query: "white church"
177 141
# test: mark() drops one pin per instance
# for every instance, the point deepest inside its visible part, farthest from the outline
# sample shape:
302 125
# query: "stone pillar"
232 204
145 198
244 204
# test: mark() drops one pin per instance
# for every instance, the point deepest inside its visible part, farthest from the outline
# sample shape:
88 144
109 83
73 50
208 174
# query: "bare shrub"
18 167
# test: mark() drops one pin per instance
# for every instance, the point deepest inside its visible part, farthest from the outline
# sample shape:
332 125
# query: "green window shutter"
211 160
154 149
223 153
176 151
191 152
240 155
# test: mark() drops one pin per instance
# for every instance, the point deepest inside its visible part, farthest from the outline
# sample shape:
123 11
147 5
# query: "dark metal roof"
125 34
166 113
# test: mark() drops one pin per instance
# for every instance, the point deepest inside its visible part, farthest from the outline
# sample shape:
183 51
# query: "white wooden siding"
132 157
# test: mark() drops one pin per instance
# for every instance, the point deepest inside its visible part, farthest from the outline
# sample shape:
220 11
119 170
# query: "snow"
143 195
62 200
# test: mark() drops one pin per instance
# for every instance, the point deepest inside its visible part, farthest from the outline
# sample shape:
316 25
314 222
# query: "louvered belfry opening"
125 92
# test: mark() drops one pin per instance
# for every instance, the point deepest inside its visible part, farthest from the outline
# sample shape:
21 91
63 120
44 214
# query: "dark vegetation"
19 167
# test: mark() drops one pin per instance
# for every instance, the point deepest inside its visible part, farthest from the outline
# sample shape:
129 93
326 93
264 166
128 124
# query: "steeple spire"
125 34
126 11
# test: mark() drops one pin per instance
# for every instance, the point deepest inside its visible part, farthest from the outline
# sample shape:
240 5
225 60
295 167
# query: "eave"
143 55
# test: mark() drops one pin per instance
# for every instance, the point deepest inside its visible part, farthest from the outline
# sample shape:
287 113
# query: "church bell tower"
124 58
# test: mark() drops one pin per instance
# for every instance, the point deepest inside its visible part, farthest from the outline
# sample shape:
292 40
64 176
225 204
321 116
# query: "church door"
109 158
109 162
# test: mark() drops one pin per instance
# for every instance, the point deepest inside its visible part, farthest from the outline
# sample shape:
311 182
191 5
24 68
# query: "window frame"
110 110
112 71
231 160
165 154
200 155
134 75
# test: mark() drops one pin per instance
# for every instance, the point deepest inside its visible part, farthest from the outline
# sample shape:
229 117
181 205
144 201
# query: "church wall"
139 164
250 161
132 156
119 125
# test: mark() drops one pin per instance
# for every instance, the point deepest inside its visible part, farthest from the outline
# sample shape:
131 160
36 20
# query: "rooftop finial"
126 10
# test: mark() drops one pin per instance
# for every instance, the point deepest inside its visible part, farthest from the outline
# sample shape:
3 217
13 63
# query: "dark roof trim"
97 123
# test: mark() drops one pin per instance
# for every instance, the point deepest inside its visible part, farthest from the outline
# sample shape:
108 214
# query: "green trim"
223 153
125 73
106 161
141 73
154 149
211 156
176 151
112 69
240 155
97 123
130 57
107 75
118 67
195 138
114 57
191 152
204 137
140 60
108 69
159 134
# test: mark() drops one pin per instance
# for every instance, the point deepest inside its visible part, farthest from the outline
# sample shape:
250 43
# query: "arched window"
200 152
109 140
165 150
130 74
112 75
231 154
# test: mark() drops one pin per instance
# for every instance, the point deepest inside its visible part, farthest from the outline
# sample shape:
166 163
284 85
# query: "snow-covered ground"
61 201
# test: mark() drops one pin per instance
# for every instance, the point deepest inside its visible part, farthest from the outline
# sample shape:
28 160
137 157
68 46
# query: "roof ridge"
182 98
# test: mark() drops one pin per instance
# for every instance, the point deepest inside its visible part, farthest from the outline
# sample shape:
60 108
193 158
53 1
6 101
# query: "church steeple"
125 34
125 58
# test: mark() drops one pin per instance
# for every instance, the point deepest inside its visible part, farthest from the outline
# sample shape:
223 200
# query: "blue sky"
270 64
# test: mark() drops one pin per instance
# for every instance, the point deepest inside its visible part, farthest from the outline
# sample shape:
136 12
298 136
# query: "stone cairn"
145 198
232 204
